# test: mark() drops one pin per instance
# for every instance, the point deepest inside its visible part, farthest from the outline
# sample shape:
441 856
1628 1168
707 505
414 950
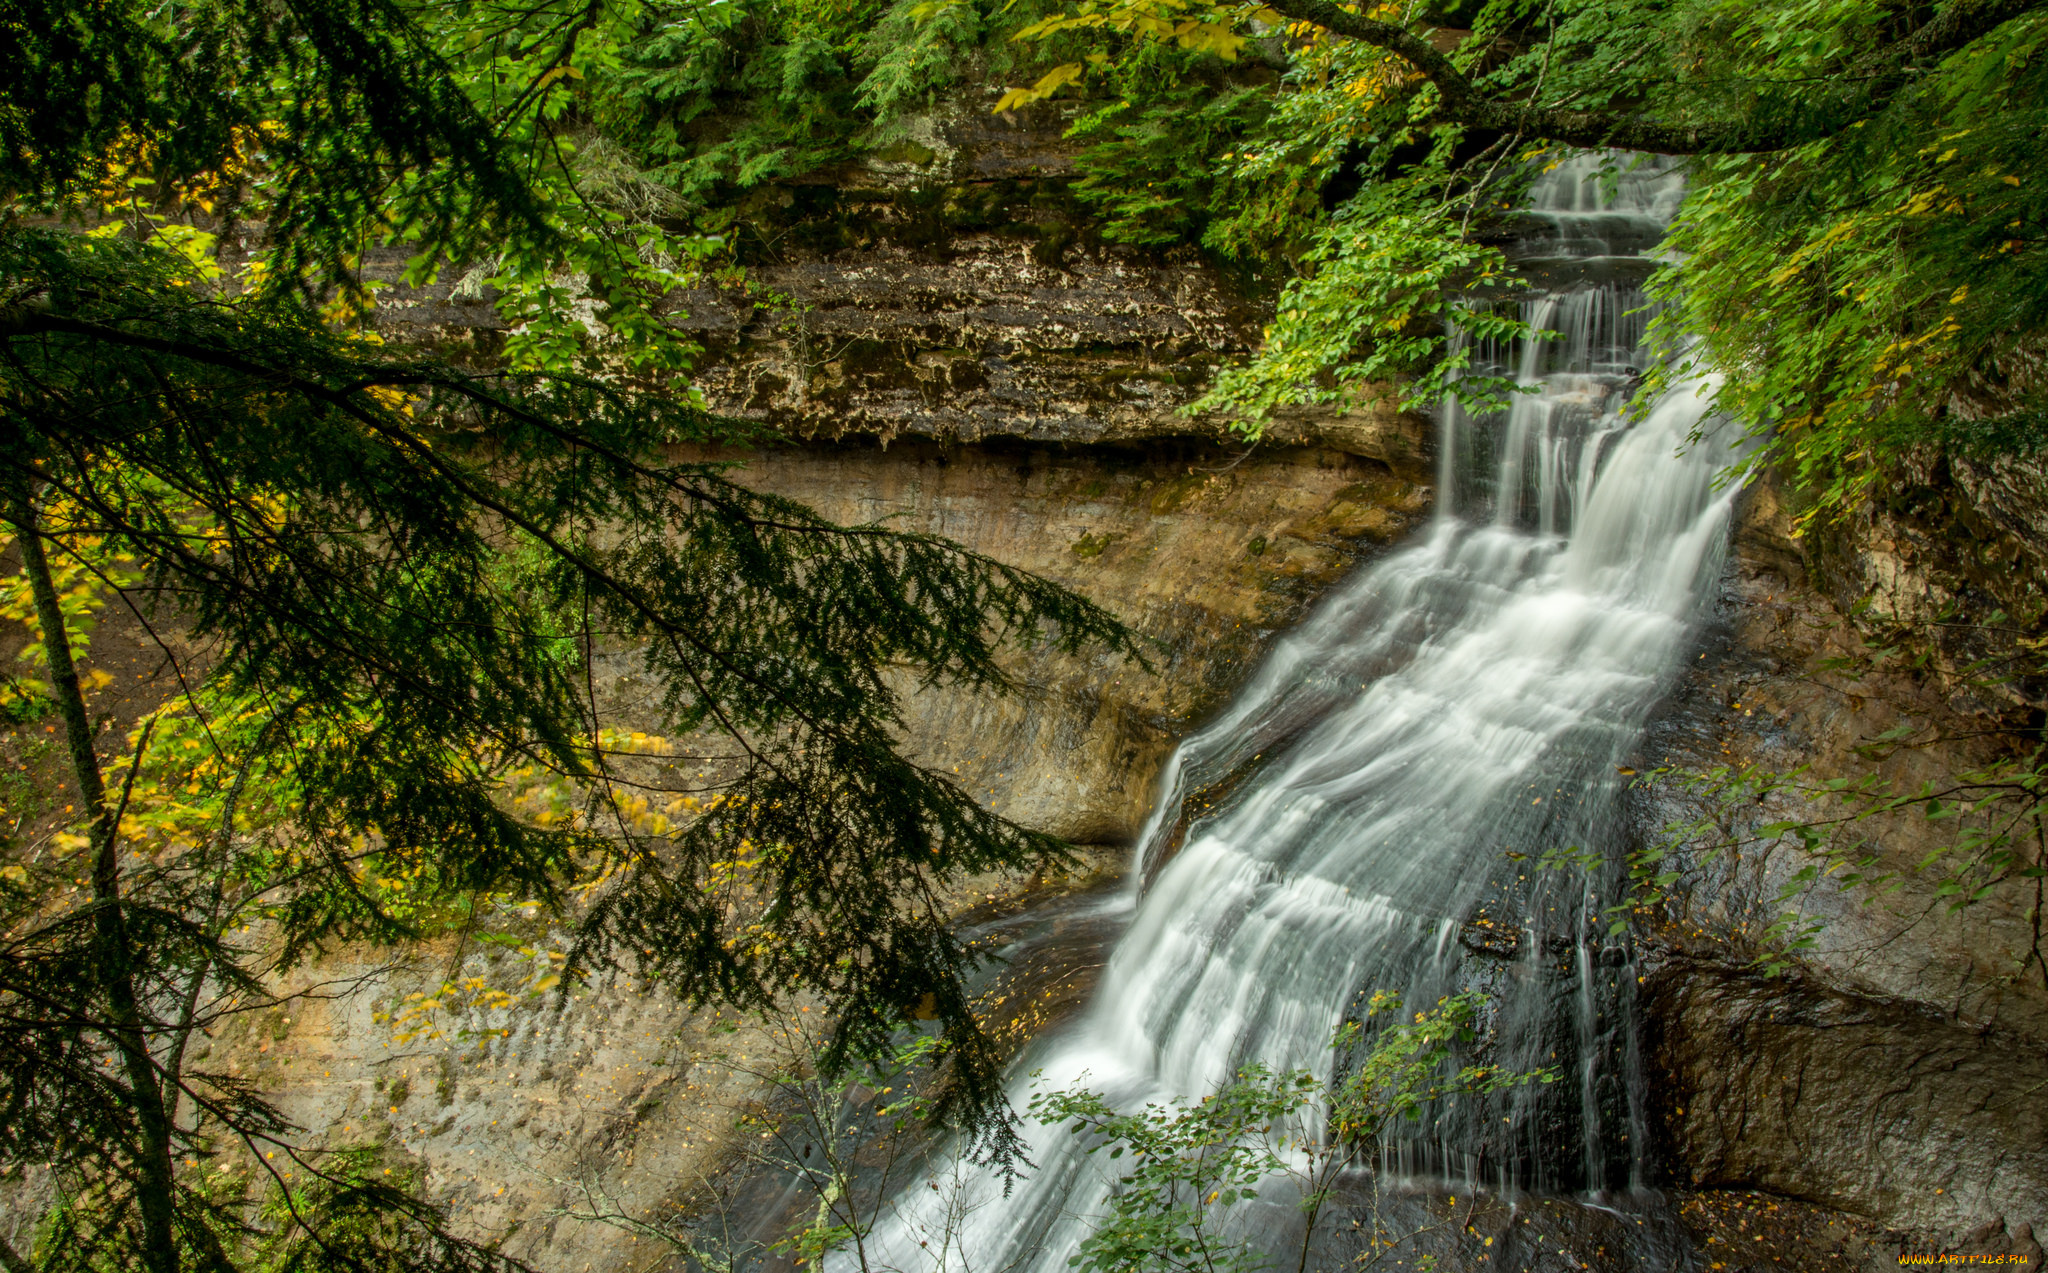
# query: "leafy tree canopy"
1861 254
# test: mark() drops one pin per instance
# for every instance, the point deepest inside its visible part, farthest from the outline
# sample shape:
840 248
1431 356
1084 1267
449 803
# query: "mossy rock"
1088 546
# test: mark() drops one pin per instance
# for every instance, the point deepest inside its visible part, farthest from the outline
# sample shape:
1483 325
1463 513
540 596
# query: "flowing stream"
1368 813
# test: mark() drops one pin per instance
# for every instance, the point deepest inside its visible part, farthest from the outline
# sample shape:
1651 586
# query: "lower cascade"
1398 766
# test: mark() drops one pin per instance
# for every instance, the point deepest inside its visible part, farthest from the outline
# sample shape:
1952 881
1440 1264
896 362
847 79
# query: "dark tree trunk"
154 1183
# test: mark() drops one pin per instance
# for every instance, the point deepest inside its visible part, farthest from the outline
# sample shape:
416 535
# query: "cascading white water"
1462 700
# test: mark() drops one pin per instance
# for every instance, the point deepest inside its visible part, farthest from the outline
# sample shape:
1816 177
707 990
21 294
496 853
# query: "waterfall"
1402 759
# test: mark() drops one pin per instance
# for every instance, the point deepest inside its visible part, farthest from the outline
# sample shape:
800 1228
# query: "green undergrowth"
817 125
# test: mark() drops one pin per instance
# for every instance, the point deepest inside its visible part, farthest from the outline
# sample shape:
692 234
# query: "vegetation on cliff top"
1861 255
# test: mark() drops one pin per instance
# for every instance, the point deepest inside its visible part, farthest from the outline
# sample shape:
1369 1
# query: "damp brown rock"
1891 1067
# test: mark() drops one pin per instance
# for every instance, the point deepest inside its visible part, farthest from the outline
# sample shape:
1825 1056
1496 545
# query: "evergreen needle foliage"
402 575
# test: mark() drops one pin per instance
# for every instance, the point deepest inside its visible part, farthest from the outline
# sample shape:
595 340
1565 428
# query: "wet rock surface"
1848 1101
1686 1231
1891 1072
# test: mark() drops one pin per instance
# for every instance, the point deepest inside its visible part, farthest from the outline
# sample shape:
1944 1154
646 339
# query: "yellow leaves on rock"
476 1007
1048 84
1193 25
558 800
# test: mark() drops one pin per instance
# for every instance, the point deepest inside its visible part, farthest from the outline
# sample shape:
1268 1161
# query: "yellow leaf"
1051 82
391 399
1012 99
1057 78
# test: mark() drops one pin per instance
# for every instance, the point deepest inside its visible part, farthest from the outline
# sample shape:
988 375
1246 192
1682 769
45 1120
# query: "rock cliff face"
1205 556
960 294
1894 1070
1881 1096
617 1102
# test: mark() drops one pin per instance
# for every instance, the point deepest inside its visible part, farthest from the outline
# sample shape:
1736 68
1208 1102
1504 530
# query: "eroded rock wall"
1894 1065
1205 556
959 293
525 1117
